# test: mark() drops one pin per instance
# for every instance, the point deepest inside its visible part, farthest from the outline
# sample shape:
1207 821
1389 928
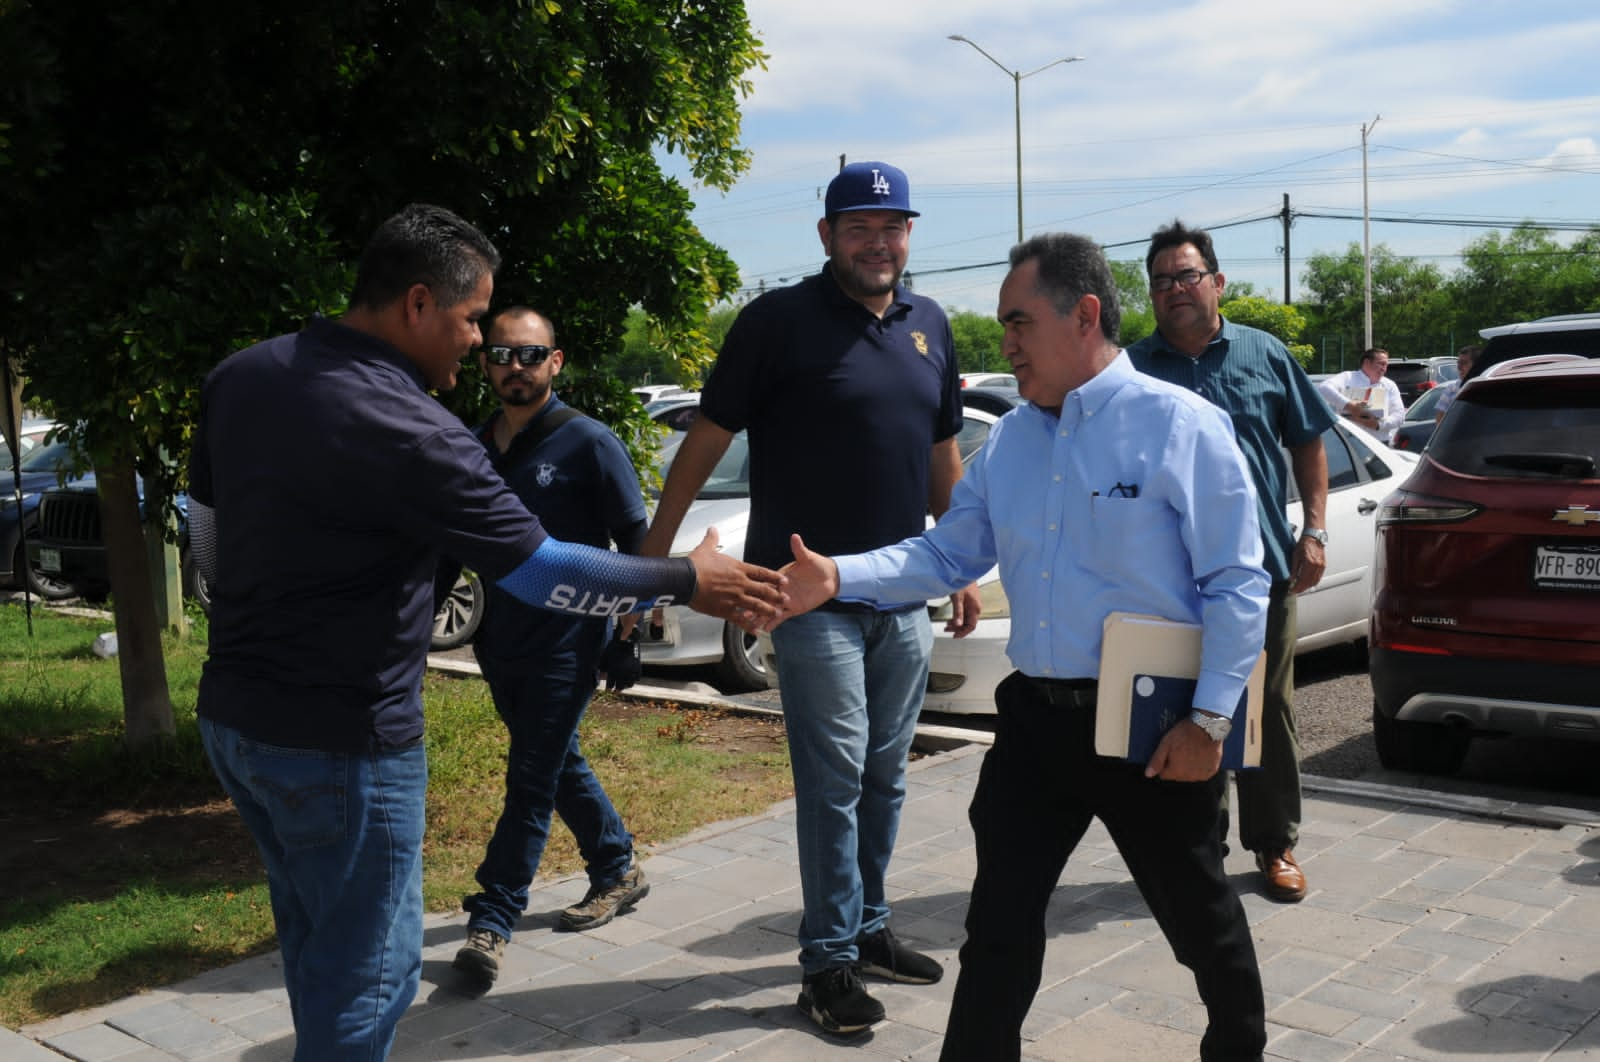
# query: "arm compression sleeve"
584 581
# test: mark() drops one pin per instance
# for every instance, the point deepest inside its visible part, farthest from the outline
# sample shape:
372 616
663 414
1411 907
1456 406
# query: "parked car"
1415 431
996 400
1361 471
989 379
1416 376
1575 333
70 547
30 435
687 637
41 468
1486 611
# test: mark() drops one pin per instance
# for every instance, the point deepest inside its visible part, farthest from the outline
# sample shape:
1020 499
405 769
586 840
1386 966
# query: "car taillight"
1404 507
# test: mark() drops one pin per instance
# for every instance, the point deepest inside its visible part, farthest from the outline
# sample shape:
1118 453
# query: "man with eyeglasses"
540 666
1274 406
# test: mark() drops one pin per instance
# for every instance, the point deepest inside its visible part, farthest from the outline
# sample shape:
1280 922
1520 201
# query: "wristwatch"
1320 534
1215 726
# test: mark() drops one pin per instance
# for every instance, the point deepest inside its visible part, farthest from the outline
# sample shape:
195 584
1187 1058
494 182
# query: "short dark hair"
1176 235
1371 353
1070 267
1470 351
509 312
423 244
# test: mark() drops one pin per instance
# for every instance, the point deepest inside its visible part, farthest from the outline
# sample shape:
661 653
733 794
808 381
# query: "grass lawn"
122 873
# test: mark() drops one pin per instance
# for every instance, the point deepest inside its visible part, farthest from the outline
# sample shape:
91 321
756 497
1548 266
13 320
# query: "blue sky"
1210 110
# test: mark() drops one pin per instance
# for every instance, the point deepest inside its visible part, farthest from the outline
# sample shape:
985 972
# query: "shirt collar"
352 342
1219 342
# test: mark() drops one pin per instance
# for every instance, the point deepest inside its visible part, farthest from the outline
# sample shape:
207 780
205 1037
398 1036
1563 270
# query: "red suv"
1486 581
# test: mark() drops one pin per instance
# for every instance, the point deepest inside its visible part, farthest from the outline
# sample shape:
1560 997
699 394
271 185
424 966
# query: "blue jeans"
341 837
541 700
852 686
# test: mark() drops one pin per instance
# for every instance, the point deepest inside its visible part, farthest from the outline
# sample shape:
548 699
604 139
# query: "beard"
521 391
863 283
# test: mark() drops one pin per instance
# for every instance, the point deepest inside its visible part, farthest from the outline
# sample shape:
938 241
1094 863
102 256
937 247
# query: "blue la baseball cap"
869 186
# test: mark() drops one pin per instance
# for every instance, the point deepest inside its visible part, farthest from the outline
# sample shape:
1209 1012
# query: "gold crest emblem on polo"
921 340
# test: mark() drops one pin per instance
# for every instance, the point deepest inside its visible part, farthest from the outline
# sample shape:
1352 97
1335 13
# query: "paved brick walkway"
1460 930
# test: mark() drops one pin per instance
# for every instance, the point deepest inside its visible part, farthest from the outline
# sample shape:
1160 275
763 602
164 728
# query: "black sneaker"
884 956
837 1000
605 902
479 959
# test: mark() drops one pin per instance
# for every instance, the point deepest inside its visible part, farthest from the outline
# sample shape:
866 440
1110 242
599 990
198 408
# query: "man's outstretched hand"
744 595
813 579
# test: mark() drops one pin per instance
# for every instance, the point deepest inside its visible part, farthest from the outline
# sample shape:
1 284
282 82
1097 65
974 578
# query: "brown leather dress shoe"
1286 883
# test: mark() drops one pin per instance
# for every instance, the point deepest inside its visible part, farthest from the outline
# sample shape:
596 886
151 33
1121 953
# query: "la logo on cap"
880 183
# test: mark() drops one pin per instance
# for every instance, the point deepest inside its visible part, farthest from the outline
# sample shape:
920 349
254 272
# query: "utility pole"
1287 301
1366 234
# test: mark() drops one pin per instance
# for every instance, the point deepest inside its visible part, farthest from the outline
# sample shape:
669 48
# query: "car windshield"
1422 408
47 457
731 476
1521 433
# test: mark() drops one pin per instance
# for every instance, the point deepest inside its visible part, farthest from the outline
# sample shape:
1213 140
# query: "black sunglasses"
533 354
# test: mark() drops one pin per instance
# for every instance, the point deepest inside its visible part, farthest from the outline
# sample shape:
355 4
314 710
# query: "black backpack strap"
529 437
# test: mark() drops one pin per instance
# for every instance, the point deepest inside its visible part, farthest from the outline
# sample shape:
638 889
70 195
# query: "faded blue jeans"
341 837
852 686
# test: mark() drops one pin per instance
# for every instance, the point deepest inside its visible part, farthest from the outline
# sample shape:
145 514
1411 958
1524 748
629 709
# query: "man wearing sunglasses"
540 666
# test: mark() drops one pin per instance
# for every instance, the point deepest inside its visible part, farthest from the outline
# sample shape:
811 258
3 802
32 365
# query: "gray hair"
1070 267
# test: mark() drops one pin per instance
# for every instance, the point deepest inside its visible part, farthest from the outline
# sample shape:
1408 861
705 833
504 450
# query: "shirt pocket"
1130 534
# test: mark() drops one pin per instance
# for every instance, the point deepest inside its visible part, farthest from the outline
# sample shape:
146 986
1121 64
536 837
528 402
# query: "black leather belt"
1073 693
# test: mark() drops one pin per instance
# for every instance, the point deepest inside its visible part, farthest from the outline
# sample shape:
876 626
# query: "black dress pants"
1039 788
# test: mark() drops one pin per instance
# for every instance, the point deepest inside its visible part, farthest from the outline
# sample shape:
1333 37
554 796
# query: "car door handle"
1366 506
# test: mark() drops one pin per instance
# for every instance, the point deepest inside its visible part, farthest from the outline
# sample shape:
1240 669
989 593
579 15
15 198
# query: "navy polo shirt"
842 409
336 480
582 484
1272 402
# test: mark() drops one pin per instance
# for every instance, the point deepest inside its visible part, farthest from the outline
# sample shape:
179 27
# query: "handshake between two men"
757 599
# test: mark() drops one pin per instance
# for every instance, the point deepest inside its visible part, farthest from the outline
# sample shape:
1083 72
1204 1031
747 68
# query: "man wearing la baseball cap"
848 388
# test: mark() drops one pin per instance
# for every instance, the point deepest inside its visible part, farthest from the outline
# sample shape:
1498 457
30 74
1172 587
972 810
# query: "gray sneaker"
605 902
479 959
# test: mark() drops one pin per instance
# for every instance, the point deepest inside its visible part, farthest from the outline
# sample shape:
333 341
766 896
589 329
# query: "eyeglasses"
533 354
1186 279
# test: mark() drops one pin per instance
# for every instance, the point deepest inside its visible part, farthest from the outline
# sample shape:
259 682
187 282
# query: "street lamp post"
1016 83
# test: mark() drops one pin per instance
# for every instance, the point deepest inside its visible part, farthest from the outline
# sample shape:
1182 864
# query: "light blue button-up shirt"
1135 499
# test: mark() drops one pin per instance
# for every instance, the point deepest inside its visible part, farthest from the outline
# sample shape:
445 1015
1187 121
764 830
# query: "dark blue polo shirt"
1271 400
582 485
336 480
842 411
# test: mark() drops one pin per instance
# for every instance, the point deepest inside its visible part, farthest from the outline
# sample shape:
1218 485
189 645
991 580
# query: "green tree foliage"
1284 322
977 338
1525 274
183 179
1411 309
1133 293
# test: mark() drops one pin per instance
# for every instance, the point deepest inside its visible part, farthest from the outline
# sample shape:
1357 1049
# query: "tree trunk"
146 701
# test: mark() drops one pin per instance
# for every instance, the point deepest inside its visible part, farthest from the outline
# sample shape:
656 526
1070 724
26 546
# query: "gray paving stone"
1430 933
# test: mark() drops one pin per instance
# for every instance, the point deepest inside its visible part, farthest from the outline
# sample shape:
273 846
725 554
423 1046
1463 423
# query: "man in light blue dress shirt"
1110 491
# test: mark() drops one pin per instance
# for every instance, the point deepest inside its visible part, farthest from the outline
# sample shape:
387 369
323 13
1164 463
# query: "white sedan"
1361 472
688 638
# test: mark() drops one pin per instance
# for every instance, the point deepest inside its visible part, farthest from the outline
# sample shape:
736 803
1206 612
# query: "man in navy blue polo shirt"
848 388
324 483
541 666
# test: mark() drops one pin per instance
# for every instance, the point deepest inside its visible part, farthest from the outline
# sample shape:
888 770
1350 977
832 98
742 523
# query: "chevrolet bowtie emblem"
1577 515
